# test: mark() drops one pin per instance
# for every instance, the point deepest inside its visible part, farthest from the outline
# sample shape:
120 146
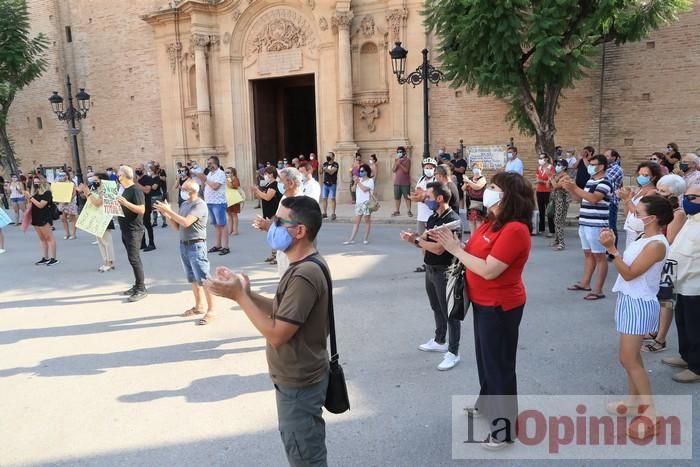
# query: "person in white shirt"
419 196
215 197
364 187
690 166
513 162
310 187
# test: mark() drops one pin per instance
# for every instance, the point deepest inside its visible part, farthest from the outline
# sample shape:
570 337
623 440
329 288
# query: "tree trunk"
544 142
7 148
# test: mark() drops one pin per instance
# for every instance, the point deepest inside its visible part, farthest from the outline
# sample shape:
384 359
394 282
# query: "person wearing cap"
423 212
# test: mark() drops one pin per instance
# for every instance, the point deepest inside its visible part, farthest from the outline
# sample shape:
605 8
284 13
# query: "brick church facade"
256 80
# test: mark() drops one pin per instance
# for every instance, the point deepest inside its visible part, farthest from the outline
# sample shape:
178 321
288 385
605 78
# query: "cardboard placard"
109 198
93 220
233 197
62 192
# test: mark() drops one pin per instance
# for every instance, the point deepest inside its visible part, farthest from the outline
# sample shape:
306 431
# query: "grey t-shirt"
198 230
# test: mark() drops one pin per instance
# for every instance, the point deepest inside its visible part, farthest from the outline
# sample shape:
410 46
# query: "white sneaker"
432 346
365 242
449 362
492 445
2 251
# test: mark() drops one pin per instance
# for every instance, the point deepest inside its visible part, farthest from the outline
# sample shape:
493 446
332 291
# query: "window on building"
69 34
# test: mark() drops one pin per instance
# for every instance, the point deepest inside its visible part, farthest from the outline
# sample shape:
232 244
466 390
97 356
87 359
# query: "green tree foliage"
526 52
22 61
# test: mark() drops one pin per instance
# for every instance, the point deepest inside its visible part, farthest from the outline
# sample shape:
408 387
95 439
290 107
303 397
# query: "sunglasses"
280 222
692 197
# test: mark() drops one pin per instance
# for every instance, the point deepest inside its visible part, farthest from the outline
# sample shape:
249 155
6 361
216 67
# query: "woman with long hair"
94 194
17 199
269 197
648 174
544 172
495 257
41 201
363 185
233 183
561 200
637 309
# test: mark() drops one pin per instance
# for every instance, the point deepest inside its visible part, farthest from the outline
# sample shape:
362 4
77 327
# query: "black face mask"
329 158
139 172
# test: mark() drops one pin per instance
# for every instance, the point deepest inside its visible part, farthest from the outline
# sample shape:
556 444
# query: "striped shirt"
596 214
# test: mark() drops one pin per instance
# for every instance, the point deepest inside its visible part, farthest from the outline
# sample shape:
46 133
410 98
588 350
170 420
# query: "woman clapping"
41 201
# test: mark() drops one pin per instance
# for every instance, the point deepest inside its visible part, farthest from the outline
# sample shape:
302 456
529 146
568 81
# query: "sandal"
420 269
656 346
651 336
192 311
577 287
594 296
206 319
214 249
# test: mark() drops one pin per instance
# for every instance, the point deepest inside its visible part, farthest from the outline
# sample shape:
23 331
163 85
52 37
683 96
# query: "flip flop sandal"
656 346
191 312
651 336
594 296
206 319
577 288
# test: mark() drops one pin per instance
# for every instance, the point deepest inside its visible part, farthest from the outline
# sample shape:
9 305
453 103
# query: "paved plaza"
88 379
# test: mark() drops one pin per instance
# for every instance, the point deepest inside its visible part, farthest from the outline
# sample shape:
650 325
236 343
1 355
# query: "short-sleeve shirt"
423 211
363 196
543 174
132 221
301 299
330 179
198 229
269 208
401 177
42 216
312 189
596 214
218 196
516 165
510 245
436 220
460 164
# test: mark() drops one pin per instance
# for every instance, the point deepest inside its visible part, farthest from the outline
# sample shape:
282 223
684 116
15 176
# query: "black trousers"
496 345
132 240
542 201
688 326
436 288
149 227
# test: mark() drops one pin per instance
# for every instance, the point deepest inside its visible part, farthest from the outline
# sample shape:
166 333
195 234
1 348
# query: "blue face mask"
643 180
690 208
559 168
592 170
280 187
432 204
279 238
363 173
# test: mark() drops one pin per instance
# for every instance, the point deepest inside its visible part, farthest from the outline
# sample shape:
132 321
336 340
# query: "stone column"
342 20
199 44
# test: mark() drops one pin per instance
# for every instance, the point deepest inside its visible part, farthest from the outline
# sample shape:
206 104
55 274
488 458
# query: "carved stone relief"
236 14
323 23
367 26
195 125
370 102
342 20
395 19
280 29
369 113
173 50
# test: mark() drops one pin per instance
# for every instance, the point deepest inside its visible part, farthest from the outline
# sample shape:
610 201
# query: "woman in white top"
637 309
648 174
17 200
363 186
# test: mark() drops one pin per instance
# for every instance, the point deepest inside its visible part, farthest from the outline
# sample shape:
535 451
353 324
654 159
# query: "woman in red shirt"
545 171
495 257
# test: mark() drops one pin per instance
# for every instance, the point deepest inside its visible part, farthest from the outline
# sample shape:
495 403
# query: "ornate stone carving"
173 50
369 113
342 20
280 29
195 124
367 26
395 19
236 14
323 23
199 40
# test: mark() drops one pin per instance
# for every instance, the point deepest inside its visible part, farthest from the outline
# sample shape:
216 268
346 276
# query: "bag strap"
331 317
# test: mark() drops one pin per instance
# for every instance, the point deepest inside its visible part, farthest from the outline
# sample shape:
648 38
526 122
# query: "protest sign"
233 197
62 192
93 220
109 197
4 219
492 157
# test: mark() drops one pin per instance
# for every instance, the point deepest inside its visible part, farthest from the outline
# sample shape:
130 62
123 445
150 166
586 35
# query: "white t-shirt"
363 196
424 211
312 189
516 165
212 196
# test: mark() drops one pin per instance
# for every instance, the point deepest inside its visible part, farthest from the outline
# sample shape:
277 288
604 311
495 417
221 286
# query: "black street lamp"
70 115
426 73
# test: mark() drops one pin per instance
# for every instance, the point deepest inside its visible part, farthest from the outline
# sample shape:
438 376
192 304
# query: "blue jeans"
217 214
329 191
195 262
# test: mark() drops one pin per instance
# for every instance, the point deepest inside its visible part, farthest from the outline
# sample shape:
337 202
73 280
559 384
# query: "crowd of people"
503 211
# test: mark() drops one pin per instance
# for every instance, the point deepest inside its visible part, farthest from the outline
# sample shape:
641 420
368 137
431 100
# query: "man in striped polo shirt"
594 216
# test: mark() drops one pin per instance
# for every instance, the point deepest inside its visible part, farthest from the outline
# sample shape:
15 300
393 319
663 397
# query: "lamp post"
70 115
425 73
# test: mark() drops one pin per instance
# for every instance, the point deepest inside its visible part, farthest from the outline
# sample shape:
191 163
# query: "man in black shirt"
330 184
131 226
148 185
581 167
437 260
161 194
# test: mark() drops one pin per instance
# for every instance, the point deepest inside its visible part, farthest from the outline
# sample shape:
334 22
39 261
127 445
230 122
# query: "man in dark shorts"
402 181
133 204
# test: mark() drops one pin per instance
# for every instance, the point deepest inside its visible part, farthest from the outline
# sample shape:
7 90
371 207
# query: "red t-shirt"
543 175
510 245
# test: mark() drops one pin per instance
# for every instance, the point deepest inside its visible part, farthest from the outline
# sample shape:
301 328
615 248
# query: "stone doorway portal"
284 112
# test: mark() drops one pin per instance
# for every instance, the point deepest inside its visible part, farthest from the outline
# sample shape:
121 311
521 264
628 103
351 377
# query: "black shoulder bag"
337 400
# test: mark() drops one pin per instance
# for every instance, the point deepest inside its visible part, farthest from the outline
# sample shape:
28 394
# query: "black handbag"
337 400
458 301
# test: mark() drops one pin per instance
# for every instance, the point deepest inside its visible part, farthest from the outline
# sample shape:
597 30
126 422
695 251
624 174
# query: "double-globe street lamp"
425 73
70 115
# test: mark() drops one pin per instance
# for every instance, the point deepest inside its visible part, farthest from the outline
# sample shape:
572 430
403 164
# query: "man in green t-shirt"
295 325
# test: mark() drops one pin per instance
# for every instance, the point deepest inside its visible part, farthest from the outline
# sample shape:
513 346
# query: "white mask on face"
184 195
491 198
429 172
541 162
476 171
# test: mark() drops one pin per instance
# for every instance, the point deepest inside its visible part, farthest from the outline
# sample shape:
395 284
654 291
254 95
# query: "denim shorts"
329 191
195 262
590 238
217 213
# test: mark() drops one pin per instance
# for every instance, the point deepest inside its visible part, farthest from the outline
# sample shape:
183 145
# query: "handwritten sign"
62 192
109 197
93 220
492 157
4 219
233 197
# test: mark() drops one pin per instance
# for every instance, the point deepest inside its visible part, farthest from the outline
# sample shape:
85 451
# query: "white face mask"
184 195
541 162
429 172
491 198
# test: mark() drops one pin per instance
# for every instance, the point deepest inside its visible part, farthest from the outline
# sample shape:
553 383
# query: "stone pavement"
90 380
